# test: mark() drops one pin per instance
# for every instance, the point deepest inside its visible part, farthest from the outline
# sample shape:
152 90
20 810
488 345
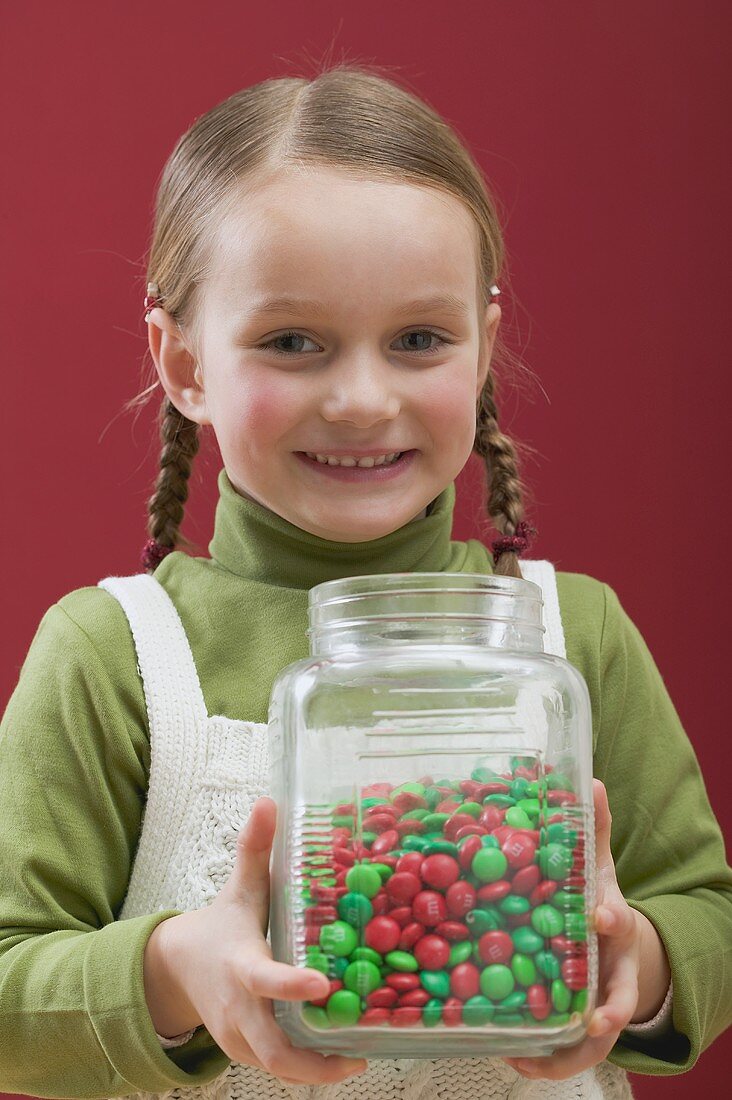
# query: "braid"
505 492
180 440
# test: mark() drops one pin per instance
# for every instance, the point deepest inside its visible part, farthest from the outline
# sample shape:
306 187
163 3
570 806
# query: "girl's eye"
299 336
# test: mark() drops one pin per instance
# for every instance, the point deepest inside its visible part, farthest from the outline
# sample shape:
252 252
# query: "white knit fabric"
205 773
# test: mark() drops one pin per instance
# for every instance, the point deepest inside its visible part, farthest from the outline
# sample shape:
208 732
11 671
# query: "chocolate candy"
457 903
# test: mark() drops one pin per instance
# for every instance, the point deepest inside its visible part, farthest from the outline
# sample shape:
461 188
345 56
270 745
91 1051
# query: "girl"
323 283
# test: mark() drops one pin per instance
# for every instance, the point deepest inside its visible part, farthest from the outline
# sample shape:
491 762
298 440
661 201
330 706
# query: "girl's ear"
179 375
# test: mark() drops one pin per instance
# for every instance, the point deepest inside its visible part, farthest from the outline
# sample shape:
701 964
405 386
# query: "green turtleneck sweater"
74 765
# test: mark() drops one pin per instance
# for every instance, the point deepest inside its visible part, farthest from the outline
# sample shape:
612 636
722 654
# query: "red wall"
604 130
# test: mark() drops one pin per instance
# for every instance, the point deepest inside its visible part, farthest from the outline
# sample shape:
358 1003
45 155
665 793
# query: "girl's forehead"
334 234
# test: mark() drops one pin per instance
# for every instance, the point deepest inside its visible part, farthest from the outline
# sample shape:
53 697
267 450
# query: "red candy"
415 997
574 972
457 821
460 898
403 886
382 934
432 952
519 849
405 801
494 891
403 982
405 1015
467 850
439 871
495 947
402 915
380 903
410 934
410 862
537 998
383 997
525 880
334 986
465 980
429 908
452 1011
385 842
452 930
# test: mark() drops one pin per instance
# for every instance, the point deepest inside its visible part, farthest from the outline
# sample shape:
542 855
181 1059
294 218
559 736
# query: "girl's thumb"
253 848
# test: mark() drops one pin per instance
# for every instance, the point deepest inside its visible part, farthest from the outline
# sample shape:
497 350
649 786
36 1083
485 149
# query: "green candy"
575 926
506 1018
559 833
435 821
489 864
374 800
555 860
579 1001
339 967
338 938
343 1008
432 1012
568 899
518 818
513 1000
488 841
318 961
355 908
441 847
499 800
557 781
343 821
460 952
547 964
314 1016
408 788
436 982
417 815
488 775
524 970
363 879
385 871
557 1019
360 977
527 940
402 960
547 921
482 920
366 953
477 1010
513 904
368 838
518 788
561 996
414 843
473 808
497 981
530 806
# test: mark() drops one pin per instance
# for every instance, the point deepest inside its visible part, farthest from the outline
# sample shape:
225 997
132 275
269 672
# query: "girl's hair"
352 117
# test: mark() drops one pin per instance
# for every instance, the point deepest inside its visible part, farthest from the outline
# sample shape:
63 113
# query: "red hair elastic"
516 543
153 553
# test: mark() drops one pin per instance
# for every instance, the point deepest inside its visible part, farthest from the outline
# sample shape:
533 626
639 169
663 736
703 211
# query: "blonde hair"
348 116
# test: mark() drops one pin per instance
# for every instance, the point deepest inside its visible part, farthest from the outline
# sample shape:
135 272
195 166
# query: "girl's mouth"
360 473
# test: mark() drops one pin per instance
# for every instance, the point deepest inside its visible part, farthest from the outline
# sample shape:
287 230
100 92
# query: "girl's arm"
74 756
668 851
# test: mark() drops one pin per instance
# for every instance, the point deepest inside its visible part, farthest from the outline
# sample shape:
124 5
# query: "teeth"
348 460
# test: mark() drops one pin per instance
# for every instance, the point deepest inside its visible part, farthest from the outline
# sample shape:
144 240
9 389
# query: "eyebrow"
443 303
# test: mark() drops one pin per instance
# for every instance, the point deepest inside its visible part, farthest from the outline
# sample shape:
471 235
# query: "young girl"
324 275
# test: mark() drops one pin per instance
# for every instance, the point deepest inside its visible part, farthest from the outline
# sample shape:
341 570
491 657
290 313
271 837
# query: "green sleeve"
667 846
74 759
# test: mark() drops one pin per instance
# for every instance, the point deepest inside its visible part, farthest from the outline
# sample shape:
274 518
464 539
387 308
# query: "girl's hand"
619 930
223 967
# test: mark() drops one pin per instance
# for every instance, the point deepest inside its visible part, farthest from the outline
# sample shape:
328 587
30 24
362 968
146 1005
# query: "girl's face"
359 366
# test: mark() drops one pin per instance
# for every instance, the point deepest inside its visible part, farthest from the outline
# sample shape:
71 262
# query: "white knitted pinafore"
205 773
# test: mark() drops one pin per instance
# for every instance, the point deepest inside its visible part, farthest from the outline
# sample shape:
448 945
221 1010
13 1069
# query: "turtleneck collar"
260 545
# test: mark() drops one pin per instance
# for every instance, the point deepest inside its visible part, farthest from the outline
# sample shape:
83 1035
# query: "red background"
604 130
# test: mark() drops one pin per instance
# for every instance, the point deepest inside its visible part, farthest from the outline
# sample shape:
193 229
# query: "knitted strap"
544 574
165 662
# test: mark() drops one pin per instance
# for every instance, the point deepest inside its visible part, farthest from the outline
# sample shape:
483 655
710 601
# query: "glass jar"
434 852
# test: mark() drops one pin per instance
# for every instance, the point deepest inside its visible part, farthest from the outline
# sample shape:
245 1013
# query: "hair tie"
152 299
153 553
516 543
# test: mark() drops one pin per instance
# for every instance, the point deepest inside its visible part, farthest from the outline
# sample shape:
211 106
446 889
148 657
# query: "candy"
455 903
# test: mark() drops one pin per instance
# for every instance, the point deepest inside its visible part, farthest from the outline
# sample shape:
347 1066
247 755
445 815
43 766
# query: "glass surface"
432 769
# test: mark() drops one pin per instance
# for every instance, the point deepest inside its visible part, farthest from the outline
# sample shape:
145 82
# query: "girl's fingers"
277 1055
622 997
264 977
